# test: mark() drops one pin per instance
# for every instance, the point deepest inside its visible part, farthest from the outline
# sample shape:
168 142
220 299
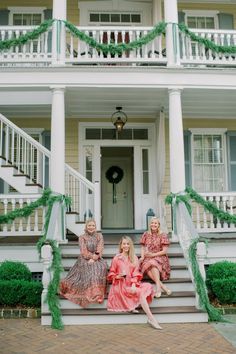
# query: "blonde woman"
86 281
154 260
127 292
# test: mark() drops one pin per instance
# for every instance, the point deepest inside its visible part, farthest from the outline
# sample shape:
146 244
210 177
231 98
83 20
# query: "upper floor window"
115 18
26 16
201 19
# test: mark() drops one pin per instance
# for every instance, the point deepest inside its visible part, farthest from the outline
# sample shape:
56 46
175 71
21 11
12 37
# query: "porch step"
102 316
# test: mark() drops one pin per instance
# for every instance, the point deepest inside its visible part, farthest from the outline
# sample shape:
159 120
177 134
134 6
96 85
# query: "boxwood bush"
225 290
17 286
14 270
221 281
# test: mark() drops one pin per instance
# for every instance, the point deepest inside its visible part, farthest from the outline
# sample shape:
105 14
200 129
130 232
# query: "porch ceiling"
100 103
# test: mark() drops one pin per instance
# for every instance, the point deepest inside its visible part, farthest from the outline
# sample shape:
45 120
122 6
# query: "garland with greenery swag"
113 48
24 38
213 313
46 200
207 42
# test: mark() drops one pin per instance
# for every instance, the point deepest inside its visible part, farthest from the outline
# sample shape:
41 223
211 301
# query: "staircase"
179 307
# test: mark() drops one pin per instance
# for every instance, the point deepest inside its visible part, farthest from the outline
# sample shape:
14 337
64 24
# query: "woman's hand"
91 261
133 289
120 276
149 254
95 257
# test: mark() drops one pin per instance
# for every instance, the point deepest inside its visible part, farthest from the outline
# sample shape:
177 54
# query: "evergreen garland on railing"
47 200
24 38
213 313
118 48
207 42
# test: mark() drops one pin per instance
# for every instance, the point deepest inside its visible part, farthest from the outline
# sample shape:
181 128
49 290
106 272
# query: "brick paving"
27 336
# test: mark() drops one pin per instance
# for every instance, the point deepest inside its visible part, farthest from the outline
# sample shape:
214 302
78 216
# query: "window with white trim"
26 16
145 171
208 161
114 18
201 19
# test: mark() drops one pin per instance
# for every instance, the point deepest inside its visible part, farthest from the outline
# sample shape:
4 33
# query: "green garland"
46 200
213 313
206 42
120 47
23 39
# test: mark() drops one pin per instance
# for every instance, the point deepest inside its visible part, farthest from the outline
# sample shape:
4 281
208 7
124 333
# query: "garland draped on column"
47 200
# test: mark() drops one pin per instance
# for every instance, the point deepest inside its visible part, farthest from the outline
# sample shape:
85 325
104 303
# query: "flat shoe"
154 324
134 311
158 294
168 292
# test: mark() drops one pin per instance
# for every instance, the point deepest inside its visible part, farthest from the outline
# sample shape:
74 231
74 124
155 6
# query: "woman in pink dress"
127 292
154 260
86 281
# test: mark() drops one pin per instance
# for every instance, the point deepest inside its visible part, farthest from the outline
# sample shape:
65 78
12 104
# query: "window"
201 19
208 161
145 171
26 16
111 134
115 18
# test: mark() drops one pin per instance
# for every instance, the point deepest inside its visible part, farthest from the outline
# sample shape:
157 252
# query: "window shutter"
1 186
181 16
187 158
48 16
231 137
4 15
46 140
226 21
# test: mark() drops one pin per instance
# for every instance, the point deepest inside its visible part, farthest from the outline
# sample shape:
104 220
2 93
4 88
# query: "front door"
117 187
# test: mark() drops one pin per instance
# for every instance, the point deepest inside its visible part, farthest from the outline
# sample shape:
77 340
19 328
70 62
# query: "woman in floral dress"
86 281
127 292
154 260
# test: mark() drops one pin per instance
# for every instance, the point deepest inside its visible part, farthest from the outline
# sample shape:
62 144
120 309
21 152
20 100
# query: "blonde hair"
131 254
87 222
149 226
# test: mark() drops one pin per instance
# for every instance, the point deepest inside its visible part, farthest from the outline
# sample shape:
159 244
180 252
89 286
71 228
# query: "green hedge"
20 292
220 270
225 290
14 270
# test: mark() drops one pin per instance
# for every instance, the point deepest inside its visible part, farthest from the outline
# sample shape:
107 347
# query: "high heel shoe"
158 294
154 324
168 292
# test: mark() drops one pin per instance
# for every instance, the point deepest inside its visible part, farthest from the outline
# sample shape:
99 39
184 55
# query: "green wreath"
114 175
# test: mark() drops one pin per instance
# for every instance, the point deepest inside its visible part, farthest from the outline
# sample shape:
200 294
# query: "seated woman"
86 281
127 292
154 260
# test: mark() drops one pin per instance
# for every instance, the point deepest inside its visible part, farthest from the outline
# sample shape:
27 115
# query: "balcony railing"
53 48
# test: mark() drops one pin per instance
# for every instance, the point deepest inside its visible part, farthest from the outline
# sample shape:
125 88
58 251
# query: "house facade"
60 88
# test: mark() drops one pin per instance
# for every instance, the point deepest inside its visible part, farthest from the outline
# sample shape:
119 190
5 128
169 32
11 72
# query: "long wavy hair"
131 254
149 226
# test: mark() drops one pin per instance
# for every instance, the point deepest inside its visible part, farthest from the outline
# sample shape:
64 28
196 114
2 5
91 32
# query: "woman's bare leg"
154 274
146 309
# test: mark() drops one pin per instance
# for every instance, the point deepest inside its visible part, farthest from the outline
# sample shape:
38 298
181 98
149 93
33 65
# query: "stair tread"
173 267
155 310
109 255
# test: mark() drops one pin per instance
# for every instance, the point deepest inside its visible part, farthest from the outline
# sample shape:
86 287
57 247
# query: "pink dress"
155 243
120 297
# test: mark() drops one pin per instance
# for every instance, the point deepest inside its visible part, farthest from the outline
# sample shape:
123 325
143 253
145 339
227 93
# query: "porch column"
57 170
58 32
177 168
172 38
156 12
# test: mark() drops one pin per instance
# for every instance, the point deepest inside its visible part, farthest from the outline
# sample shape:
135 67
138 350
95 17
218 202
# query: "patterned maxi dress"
154 243
120 297
86 283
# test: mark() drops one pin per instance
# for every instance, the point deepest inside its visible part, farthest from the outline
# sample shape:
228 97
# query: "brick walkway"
27 336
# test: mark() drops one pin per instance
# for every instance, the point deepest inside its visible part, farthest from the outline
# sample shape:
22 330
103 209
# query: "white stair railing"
30 158
20 150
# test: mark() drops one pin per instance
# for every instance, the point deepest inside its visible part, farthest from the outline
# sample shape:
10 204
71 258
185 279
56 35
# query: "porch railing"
32 225
196 53
206 222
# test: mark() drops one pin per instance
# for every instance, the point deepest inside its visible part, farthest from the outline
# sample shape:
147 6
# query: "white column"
57 170
172 38
177 168
156 12
59 43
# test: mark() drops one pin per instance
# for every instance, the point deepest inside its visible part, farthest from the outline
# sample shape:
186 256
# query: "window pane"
192 22
94 17
115 17
145 169
210 23
197 142
36 19
17 19
145 159
125 18
232 144
108 133
145 183
135 18
105 17
141 134
125 134
93 134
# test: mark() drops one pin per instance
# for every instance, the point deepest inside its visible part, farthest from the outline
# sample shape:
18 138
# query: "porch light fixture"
119 118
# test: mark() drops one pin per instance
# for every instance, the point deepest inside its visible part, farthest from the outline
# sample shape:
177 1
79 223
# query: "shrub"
20 292
14 270
220 270
225 290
